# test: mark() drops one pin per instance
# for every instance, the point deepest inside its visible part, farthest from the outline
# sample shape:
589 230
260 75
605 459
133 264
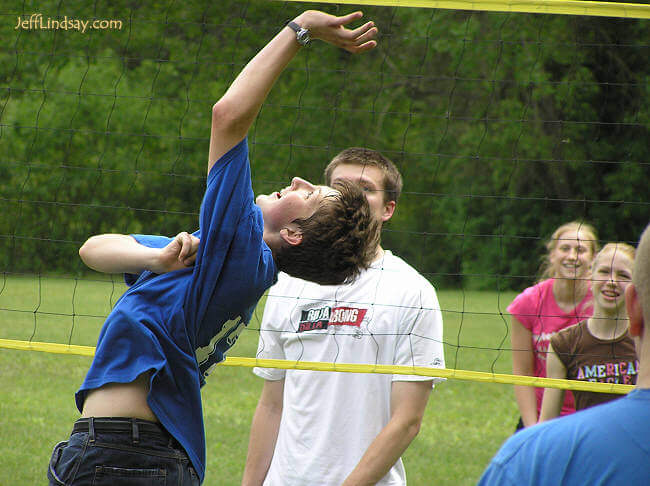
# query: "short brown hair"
365 156
338 241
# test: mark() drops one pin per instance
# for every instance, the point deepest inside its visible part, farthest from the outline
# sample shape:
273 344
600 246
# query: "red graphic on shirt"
323 317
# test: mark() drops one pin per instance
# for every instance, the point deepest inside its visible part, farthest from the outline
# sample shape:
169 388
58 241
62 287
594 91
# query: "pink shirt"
537 310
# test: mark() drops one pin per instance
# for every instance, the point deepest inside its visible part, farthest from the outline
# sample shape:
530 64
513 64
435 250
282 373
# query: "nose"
298 183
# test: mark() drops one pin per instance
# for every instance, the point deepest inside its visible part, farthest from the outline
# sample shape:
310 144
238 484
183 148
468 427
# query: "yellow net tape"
561 7
479 376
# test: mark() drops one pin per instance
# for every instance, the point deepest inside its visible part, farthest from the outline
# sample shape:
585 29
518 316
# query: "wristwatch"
302 35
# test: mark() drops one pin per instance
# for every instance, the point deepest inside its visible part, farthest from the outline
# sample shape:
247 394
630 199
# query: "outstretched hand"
178 254
332 30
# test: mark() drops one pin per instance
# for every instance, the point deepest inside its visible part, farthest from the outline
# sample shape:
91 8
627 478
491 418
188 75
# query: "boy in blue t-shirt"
191 295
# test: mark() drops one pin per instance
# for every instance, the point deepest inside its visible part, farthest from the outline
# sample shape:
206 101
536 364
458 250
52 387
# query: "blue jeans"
142 454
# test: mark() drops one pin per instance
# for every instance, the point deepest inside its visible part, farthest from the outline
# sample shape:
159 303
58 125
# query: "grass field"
464 425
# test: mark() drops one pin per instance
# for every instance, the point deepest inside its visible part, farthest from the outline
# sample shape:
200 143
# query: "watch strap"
302 34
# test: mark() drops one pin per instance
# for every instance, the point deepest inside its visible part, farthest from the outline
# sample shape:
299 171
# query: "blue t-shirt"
606 444
178 325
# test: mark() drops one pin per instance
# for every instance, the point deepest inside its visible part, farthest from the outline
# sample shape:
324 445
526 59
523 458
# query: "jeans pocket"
194 478
52 474
118 476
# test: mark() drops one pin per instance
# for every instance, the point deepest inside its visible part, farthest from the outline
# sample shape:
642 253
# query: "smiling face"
297 201
572 255
371 180
611 274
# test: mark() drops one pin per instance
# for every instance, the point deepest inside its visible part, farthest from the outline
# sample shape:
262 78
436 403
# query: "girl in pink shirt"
561 299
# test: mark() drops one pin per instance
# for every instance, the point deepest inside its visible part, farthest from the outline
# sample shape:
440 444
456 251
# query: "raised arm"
115 253
553 397
522 364
235 112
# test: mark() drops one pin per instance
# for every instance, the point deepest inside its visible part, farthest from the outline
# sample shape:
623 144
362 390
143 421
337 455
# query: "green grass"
464 425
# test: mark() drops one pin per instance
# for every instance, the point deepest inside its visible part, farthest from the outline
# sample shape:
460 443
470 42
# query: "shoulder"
403 277
556 451
568 342
562 435
532 295
572 332
542 441
290 290
235 157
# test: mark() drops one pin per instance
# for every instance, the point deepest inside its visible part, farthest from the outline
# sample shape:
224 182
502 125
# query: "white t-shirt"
390 315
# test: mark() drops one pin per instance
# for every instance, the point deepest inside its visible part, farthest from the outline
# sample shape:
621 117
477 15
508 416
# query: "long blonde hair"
591 239
617 246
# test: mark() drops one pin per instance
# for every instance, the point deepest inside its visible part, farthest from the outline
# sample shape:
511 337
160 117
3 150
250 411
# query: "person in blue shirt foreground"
191 295
603 445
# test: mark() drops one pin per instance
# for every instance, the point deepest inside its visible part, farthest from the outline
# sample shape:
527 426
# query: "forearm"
523 360
408 403
236 110
263 436
525 395
383 453
527 403
553 397
551 404
234 113
114 253
248 91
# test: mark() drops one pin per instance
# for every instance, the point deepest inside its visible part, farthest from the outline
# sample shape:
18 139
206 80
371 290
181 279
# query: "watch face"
303 36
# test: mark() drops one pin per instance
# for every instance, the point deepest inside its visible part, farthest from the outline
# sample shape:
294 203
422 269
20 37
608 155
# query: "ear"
634 311
389 209
293 236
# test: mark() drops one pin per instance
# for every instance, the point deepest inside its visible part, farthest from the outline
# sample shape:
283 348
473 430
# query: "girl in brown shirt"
600 348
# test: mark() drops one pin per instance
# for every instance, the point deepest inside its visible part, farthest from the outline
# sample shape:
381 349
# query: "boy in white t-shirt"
346 428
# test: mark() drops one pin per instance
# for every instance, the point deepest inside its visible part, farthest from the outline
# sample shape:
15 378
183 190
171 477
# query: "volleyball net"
504 118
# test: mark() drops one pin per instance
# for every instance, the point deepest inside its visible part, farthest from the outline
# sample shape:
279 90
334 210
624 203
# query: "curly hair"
368 157
338 241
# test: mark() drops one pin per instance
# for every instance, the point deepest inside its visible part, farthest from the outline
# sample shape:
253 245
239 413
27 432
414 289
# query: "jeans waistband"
132 426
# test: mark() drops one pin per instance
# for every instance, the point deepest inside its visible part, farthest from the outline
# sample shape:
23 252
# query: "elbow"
85 250
88 250
223 116
412 427
218 111
227 119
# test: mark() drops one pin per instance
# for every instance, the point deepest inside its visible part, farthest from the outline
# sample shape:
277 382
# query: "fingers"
365 41
194 247
189 245
363 47
363 30
357 40
185 244
351 17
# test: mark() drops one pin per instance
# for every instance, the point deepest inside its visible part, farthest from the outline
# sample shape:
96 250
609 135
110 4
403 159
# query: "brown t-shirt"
587 358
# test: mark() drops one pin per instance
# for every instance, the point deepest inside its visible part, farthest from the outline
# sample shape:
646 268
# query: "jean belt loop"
135 431
91 429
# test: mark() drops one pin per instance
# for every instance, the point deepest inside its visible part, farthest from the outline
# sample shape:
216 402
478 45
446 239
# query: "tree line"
503 125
